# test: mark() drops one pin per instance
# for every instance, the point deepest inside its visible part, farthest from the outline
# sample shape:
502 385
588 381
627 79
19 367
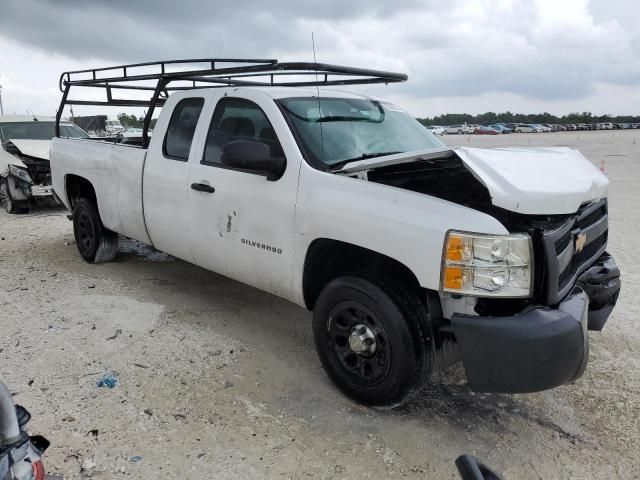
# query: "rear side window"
182 126
238 119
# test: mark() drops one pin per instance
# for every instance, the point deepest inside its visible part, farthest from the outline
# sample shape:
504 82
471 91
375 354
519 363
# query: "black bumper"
541 347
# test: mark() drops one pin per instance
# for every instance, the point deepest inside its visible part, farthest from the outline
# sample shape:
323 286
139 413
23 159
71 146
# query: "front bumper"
541 347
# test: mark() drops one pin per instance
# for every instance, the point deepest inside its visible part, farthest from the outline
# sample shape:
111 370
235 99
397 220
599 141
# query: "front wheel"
95 243
6 199
373 339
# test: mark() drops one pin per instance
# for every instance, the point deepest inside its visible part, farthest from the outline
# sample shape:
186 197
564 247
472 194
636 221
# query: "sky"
462 56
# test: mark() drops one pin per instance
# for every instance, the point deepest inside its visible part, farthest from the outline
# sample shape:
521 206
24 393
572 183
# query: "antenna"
315 62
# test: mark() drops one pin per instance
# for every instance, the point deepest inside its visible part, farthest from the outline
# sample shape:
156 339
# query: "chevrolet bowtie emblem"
581 240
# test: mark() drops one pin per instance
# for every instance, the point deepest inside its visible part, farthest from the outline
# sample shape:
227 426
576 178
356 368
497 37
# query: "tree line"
490 118
131 121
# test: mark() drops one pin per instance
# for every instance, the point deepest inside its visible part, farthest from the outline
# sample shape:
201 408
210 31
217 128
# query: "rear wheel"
95 243
373 339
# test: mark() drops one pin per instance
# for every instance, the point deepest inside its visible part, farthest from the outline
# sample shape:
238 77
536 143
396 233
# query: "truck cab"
412 255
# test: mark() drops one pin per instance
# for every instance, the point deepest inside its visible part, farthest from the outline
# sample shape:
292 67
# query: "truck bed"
114 170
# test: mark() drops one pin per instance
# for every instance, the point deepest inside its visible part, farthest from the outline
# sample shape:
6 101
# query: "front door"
241 224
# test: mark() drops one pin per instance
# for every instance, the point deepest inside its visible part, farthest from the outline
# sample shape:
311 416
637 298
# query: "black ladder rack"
206 73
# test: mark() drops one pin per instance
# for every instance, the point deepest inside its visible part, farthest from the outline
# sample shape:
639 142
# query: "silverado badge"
581 239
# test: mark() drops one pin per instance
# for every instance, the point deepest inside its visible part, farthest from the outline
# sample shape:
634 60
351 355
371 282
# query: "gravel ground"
218 380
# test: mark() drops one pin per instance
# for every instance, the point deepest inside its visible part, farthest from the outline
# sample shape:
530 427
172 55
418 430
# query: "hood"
530 181
554 180
31 148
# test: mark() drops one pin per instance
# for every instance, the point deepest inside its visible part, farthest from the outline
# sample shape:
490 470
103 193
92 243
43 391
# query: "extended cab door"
166 176
240 223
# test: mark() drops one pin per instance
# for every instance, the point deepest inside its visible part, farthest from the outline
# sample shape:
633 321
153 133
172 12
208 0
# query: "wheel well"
328 259
78 187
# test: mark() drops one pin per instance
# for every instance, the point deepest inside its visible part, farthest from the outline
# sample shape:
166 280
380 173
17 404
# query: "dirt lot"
218 380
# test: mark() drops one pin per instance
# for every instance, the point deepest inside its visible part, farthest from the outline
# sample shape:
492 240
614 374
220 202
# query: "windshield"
335 131
38 131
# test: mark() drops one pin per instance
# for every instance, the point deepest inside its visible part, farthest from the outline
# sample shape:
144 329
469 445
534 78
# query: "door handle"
202 187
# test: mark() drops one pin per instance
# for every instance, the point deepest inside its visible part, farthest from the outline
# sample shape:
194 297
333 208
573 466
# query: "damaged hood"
32 148
532 181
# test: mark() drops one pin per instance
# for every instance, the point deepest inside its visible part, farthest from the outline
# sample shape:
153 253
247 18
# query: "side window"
238 119
182 126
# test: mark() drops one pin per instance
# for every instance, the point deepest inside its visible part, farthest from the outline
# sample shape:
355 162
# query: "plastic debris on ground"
108 380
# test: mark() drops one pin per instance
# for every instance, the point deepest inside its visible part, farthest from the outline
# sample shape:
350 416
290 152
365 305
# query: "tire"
8 202
95 243
460 132
383 317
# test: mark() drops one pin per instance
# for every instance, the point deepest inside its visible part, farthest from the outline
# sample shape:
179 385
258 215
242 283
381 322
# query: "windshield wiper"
364 156
345 119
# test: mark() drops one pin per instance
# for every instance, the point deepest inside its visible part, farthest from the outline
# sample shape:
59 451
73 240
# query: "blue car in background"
501 128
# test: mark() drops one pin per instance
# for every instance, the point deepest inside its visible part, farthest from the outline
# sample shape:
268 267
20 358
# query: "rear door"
166 175
240 223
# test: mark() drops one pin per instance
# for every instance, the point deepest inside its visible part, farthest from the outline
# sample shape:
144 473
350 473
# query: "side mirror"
253 157
470 468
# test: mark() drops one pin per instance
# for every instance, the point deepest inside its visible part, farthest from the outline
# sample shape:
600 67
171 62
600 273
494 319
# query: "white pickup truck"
411 255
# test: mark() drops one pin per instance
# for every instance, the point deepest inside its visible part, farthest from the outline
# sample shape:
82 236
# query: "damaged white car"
25 173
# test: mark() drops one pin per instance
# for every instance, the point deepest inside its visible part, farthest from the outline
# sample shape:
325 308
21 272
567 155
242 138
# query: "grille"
591 218
563 243
581 258
564 264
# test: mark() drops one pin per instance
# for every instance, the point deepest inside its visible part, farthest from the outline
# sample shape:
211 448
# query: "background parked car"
436 129
482 130
541 128
527 128
500 128
458 129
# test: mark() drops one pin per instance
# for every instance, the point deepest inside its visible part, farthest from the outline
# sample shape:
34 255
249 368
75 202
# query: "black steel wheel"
95 243
373 338
85 233
359 343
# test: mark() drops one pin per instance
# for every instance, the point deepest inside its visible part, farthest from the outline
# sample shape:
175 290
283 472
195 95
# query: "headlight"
21 173
487 265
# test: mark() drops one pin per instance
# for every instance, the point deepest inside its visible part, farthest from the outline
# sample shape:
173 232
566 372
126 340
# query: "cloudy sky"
461 55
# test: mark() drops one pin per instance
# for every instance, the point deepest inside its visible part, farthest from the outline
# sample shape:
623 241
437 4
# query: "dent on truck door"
242 228
166 179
